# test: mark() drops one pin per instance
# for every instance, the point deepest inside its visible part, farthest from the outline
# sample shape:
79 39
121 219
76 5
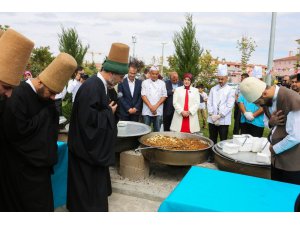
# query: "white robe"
221 101
178 103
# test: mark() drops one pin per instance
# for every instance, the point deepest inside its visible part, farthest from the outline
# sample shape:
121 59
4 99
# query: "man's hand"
277 118
185 113
215 117
249 116
132 111
113 107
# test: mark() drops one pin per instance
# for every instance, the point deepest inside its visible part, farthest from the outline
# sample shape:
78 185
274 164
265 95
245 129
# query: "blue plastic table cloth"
59 178
207 190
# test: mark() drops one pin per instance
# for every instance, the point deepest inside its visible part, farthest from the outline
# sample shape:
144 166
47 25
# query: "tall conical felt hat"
117 60
15 50
57 74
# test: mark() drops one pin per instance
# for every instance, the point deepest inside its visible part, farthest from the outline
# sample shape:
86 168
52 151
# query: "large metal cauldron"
175 157
128 134
242 162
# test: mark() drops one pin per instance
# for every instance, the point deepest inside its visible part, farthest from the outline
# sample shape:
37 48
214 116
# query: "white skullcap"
222 70
257 72
154 68
252 88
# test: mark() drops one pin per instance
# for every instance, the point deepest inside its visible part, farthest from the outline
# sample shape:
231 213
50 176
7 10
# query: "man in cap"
92 135
285 134
14 55
154 93
31 129
219 106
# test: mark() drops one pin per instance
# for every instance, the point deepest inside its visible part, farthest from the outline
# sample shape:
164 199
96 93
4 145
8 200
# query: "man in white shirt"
74 84
219 105
154 93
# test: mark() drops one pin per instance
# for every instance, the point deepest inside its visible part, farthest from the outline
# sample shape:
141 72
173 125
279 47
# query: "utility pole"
133 41
94 53
271 48
162 59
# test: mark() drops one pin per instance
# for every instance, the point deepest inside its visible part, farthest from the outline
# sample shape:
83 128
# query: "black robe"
92 135
2 168
30 127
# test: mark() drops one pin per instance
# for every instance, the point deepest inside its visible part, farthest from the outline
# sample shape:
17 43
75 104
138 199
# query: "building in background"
235 70
285 66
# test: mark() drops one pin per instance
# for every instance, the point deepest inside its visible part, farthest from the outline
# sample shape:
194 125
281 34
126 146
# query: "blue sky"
217 32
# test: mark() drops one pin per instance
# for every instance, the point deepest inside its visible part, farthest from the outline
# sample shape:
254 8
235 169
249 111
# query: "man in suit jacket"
130 96
168 105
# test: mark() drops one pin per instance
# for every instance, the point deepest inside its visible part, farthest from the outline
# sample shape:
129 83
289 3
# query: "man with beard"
219 106
30 129
286 81
281 105
14 55
295 84
92 135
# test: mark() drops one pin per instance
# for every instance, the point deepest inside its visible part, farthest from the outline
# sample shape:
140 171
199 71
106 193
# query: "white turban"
222 70
154 68
252 88
257 72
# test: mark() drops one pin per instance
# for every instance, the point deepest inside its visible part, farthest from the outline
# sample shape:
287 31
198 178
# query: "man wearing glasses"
282 113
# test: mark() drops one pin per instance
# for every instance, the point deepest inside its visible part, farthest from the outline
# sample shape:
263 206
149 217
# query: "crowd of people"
29 113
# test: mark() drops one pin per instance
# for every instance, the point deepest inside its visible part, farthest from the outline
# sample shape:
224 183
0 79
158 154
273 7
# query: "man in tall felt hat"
219 106
15 51
92 135
31 129
282 114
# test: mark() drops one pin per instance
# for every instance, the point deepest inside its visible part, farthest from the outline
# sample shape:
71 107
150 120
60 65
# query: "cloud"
217 32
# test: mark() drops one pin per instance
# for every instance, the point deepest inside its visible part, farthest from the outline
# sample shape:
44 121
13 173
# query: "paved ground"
144 195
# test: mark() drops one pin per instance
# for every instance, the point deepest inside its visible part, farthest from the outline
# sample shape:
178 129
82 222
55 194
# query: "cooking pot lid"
132 129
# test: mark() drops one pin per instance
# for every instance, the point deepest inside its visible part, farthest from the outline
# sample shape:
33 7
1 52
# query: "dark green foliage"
70 43
40 58
187 49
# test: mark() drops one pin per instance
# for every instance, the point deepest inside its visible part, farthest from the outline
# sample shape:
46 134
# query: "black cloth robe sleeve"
31 127
93 130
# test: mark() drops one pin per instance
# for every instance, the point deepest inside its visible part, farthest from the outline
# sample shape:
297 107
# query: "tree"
187 49
40 58
70 43
246 46
139 64
208 67
4 27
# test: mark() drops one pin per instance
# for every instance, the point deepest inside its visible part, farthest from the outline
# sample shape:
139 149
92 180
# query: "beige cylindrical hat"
15 50
59 71
252 88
